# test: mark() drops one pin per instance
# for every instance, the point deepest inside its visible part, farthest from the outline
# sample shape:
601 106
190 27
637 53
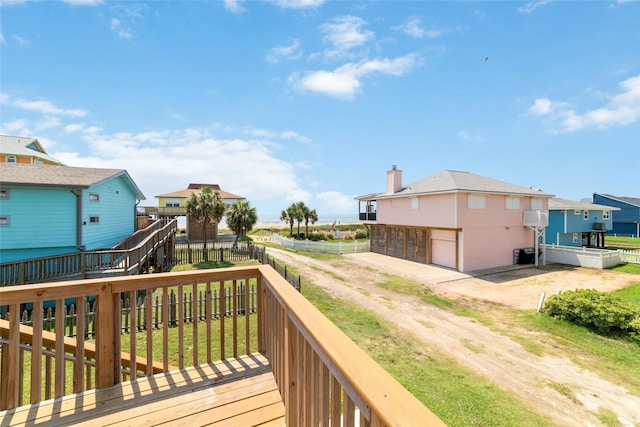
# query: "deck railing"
83 264
321 374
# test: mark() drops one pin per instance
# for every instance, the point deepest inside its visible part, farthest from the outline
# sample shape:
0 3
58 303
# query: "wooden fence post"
108 322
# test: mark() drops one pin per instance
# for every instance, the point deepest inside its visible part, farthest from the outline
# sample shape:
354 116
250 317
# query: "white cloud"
234 6
48 122
463 134
281 53
336 202
119 30
295 136
541 107
412 27
44 107
16 127
345 33
533 5
83 2
298 4
620 110
73 128
21 41
344 82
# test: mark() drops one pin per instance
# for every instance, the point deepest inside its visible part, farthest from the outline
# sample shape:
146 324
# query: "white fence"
334 248
632 257
589 257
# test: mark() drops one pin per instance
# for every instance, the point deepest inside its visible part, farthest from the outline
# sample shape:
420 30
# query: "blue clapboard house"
627 221
53 210
578 224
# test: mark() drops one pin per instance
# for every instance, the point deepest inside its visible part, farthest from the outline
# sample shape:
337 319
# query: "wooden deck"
236 392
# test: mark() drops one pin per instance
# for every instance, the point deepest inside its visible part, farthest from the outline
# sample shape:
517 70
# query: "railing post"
107 361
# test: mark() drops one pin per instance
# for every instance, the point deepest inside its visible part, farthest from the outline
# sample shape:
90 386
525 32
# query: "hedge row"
605 313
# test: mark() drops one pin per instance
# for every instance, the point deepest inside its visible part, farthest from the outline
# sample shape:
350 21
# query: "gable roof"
634 201
60 176
449 181
195 188
28 147
557 204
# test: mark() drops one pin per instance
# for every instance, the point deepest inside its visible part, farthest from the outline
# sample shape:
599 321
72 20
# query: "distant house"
24 151
53 210
174 204
627 221
454 219
578 223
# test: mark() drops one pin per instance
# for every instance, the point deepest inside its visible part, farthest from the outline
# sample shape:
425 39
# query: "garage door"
443 248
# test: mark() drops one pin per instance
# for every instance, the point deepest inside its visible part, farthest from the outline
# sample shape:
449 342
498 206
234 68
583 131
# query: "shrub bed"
602 312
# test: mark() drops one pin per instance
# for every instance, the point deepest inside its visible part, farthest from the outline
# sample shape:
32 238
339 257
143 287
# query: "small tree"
207 207
241 218
298 213
309 215
287 216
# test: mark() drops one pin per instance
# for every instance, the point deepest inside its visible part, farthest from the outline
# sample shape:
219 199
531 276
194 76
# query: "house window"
415 203
577 212
93 197
586 215
172 203
37 162
5 195
575 238
4 221
94 219
11 159
513 203
537 204
605 214
476 202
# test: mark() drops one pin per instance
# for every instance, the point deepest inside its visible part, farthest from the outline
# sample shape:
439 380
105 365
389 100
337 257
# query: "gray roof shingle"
450 181
59 176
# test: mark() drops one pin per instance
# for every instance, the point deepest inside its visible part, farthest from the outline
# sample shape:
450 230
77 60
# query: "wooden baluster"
59 330
36 352
207 297
247 323
194 321
223 310
234 314
165 328
133 361
180 327
78 367
148 305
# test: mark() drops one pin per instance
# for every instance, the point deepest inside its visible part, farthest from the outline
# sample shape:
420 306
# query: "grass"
457 395
630 294
608 417
626 268
626 243
409 287
615 360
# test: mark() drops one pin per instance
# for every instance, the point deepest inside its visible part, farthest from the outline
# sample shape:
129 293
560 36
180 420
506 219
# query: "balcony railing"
535 218
599 226
322 376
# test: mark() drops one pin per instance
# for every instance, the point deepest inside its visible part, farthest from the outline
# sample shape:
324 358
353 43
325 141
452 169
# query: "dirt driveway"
500 359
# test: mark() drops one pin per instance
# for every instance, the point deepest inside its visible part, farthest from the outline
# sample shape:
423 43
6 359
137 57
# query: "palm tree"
309 215
241 218
298 213
206 207
287 216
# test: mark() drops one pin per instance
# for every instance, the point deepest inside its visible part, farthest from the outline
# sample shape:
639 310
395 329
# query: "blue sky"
280 101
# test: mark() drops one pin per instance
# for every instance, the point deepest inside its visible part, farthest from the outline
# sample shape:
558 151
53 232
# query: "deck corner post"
107 325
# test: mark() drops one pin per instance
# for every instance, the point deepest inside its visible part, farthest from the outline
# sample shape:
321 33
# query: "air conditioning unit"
536 218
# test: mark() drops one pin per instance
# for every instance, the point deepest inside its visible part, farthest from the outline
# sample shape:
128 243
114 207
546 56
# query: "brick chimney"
394 180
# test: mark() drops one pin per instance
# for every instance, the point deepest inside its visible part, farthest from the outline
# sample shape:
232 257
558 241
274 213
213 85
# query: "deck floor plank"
195 396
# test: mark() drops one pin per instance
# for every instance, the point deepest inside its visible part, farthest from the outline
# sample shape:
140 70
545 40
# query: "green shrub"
594 309
634 329
362 234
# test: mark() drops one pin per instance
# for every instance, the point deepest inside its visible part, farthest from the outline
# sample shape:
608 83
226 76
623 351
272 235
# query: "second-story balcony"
249 350
599 226
535 218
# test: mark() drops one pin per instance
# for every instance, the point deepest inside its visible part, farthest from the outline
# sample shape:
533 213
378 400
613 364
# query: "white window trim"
537 203
94 197
5 194
476 201
606 214
586 215
512 203
577 211
12 159
415 203
97 221
5 221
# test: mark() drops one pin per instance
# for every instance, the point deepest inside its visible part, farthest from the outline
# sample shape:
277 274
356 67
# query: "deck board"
240 391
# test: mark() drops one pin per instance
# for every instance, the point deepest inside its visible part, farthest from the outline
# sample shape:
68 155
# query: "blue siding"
625 221
560 230
116 212
41 222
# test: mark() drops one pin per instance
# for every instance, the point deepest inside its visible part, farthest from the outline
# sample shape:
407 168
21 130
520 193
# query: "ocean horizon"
322 219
